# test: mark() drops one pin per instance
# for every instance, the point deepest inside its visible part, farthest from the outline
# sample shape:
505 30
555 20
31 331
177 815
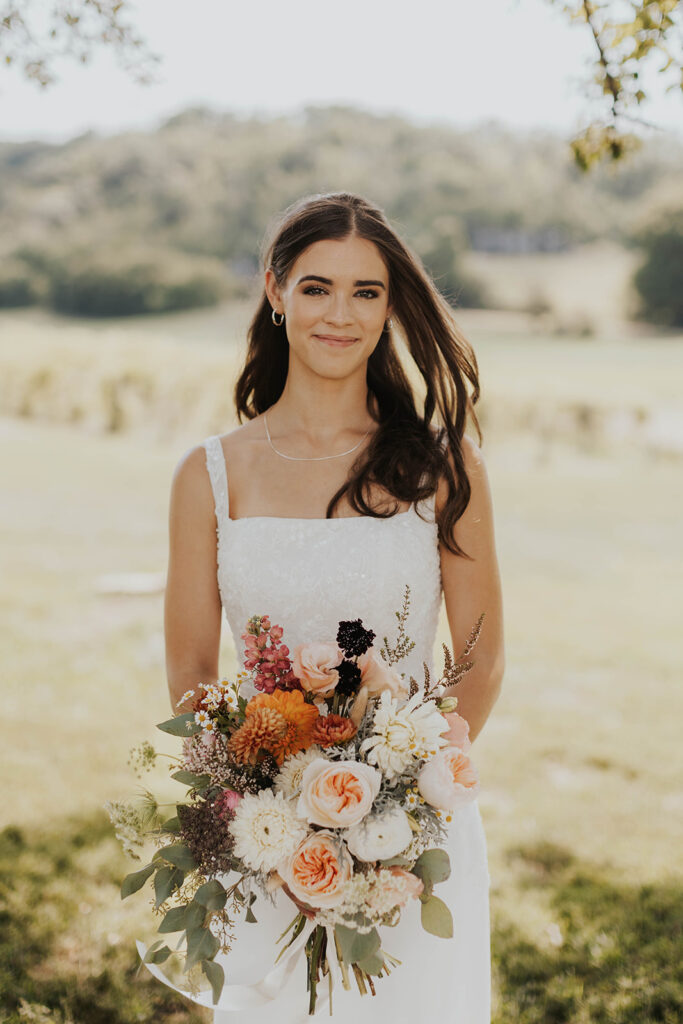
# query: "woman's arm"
473 587
192 606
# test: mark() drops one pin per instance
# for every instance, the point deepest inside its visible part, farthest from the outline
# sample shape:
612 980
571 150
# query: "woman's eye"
315 289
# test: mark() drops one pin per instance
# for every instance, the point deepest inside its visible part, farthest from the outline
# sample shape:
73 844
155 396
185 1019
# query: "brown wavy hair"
405 455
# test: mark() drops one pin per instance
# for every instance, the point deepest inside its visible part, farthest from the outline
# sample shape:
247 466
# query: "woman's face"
335 301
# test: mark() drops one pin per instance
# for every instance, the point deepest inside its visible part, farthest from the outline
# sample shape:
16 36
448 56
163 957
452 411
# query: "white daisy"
402 734
201 718
265 829
288 780
185 696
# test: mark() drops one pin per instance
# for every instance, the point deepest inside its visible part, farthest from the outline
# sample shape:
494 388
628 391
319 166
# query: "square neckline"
320 519
217 469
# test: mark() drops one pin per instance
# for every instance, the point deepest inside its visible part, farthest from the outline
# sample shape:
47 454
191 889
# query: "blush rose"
377 676
314 665
458 732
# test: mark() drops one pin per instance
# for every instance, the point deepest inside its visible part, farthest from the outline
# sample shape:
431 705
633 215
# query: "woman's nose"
338 310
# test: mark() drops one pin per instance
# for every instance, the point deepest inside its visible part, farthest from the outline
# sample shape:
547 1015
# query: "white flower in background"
402 734
288 781
265 829
185 696
380 836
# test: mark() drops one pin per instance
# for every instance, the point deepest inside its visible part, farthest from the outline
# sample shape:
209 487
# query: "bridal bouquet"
335 783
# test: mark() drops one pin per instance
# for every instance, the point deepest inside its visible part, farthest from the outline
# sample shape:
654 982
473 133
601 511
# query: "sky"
519 62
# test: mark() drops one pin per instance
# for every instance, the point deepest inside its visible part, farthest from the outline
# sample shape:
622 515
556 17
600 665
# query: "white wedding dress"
307 575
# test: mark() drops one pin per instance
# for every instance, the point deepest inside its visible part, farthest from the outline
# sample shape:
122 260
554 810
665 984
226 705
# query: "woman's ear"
272 290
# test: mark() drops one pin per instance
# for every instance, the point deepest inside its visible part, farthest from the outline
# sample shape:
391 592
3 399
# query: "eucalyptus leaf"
195 915
180 855
432 866
136 880
211 895
157 955
172 825
437 918
372 964
180 725
174 920
201 945
356 946
191 779
166 881
216 976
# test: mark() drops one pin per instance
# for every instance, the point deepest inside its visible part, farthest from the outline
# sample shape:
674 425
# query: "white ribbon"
243 997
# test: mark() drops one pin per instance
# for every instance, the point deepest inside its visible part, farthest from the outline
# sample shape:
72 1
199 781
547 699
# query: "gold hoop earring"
278 323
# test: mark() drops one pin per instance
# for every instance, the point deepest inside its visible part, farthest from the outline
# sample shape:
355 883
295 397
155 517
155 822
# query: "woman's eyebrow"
326 280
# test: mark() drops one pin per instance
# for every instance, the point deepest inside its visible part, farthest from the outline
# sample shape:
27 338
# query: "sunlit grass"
581 755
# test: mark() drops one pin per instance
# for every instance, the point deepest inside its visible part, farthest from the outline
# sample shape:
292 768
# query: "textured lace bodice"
308 574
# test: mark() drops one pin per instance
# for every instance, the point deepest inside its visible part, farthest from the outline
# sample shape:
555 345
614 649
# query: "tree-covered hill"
200 190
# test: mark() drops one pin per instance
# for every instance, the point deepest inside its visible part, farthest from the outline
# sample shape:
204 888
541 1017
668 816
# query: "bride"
343 485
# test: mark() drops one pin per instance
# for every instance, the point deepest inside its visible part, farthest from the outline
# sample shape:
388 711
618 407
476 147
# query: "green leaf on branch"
158 953
166 881
174 920
180 725
201 945
437 918
401 862
172 825
191 779
432 866
216 976
178 854
195 916
249 916
136 880
372 964
356 946
211 895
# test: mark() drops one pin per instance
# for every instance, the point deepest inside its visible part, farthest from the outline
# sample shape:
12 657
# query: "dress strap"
215 464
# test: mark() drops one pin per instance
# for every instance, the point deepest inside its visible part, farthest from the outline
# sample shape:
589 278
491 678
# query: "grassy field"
581 760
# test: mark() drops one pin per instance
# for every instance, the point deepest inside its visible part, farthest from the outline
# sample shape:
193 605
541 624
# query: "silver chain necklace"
315 458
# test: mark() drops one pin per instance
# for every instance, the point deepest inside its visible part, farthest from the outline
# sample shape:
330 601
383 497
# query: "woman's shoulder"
473 460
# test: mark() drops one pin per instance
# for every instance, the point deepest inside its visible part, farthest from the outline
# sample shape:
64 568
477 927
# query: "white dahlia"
288 780
265 829
402 734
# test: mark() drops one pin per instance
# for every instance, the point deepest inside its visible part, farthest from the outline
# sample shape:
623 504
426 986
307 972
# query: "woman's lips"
335 342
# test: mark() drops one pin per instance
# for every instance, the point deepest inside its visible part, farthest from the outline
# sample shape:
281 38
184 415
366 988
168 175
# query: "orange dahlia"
280 723
331 730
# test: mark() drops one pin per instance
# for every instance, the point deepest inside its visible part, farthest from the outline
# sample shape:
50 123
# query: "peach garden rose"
314 665
448 779
337 794
318 870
